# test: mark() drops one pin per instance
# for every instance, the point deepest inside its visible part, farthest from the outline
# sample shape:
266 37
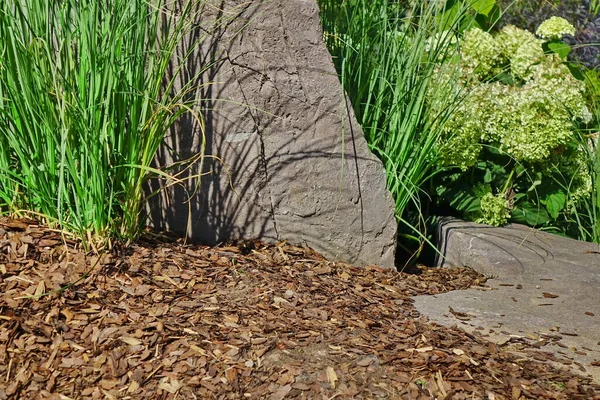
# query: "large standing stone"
289 160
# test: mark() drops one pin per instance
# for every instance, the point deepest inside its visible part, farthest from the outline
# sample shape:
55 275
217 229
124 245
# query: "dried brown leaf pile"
167 321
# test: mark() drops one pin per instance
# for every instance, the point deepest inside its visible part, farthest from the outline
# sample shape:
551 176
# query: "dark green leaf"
466 202
450 14
450 4
560 48
487 178
483 7
520 169
555 203
575 71
460 196
530 214
506 78
495 15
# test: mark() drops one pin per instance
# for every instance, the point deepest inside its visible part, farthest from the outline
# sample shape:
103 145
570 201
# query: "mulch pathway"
172 321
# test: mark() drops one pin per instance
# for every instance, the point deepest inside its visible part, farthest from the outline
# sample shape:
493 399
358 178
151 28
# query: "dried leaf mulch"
245 321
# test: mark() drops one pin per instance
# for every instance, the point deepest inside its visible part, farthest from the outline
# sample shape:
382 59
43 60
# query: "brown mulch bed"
170 321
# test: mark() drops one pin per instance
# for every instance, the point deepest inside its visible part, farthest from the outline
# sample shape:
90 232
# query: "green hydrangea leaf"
575 71
530 214
555 203
466 202
461 197
535 184
450 13
520 169
495 15
487 178
495 150
484 7
506 78
560 48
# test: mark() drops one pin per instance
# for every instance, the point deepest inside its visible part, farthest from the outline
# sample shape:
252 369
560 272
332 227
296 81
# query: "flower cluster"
495 210
480 54
518 100
525 58
515 129
440 40
511 38
555 28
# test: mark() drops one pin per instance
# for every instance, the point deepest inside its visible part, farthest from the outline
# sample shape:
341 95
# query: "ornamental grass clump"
87 93
515 138
387 54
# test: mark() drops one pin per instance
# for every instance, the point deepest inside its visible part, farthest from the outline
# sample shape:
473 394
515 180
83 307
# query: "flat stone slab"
545 290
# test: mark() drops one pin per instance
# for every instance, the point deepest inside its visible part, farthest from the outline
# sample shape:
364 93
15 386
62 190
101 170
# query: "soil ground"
164 320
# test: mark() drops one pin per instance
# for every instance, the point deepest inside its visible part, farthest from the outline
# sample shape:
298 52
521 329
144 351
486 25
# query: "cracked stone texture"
290 162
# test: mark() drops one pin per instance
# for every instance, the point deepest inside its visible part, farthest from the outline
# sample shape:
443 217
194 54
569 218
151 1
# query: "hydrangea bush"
583 14
513 145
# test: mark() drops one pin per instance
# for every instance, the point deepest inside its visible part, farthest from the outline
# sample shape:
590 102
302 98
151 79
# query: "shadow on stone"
285 158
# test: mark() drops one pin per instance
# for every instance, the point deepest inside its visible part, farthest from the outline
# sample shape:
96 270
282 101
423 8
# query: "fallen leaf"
322 270
365 361
108 384
344 276
198 349
424 349
170 385
460 315
516 393
281 392
549 295
41 289
300 386
332 376
131 341
68 315
133 387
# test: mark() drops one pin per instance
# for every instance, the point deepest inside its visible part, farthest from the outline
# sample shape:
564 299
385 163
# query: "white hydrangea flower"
511 38
555 28
495 210
480 53
585 115
524 58
442 38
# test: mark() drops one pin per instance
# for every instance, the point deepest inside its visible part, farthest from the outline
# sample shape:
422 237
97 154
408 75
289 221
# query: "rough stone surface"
513 250
545 289
289 160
